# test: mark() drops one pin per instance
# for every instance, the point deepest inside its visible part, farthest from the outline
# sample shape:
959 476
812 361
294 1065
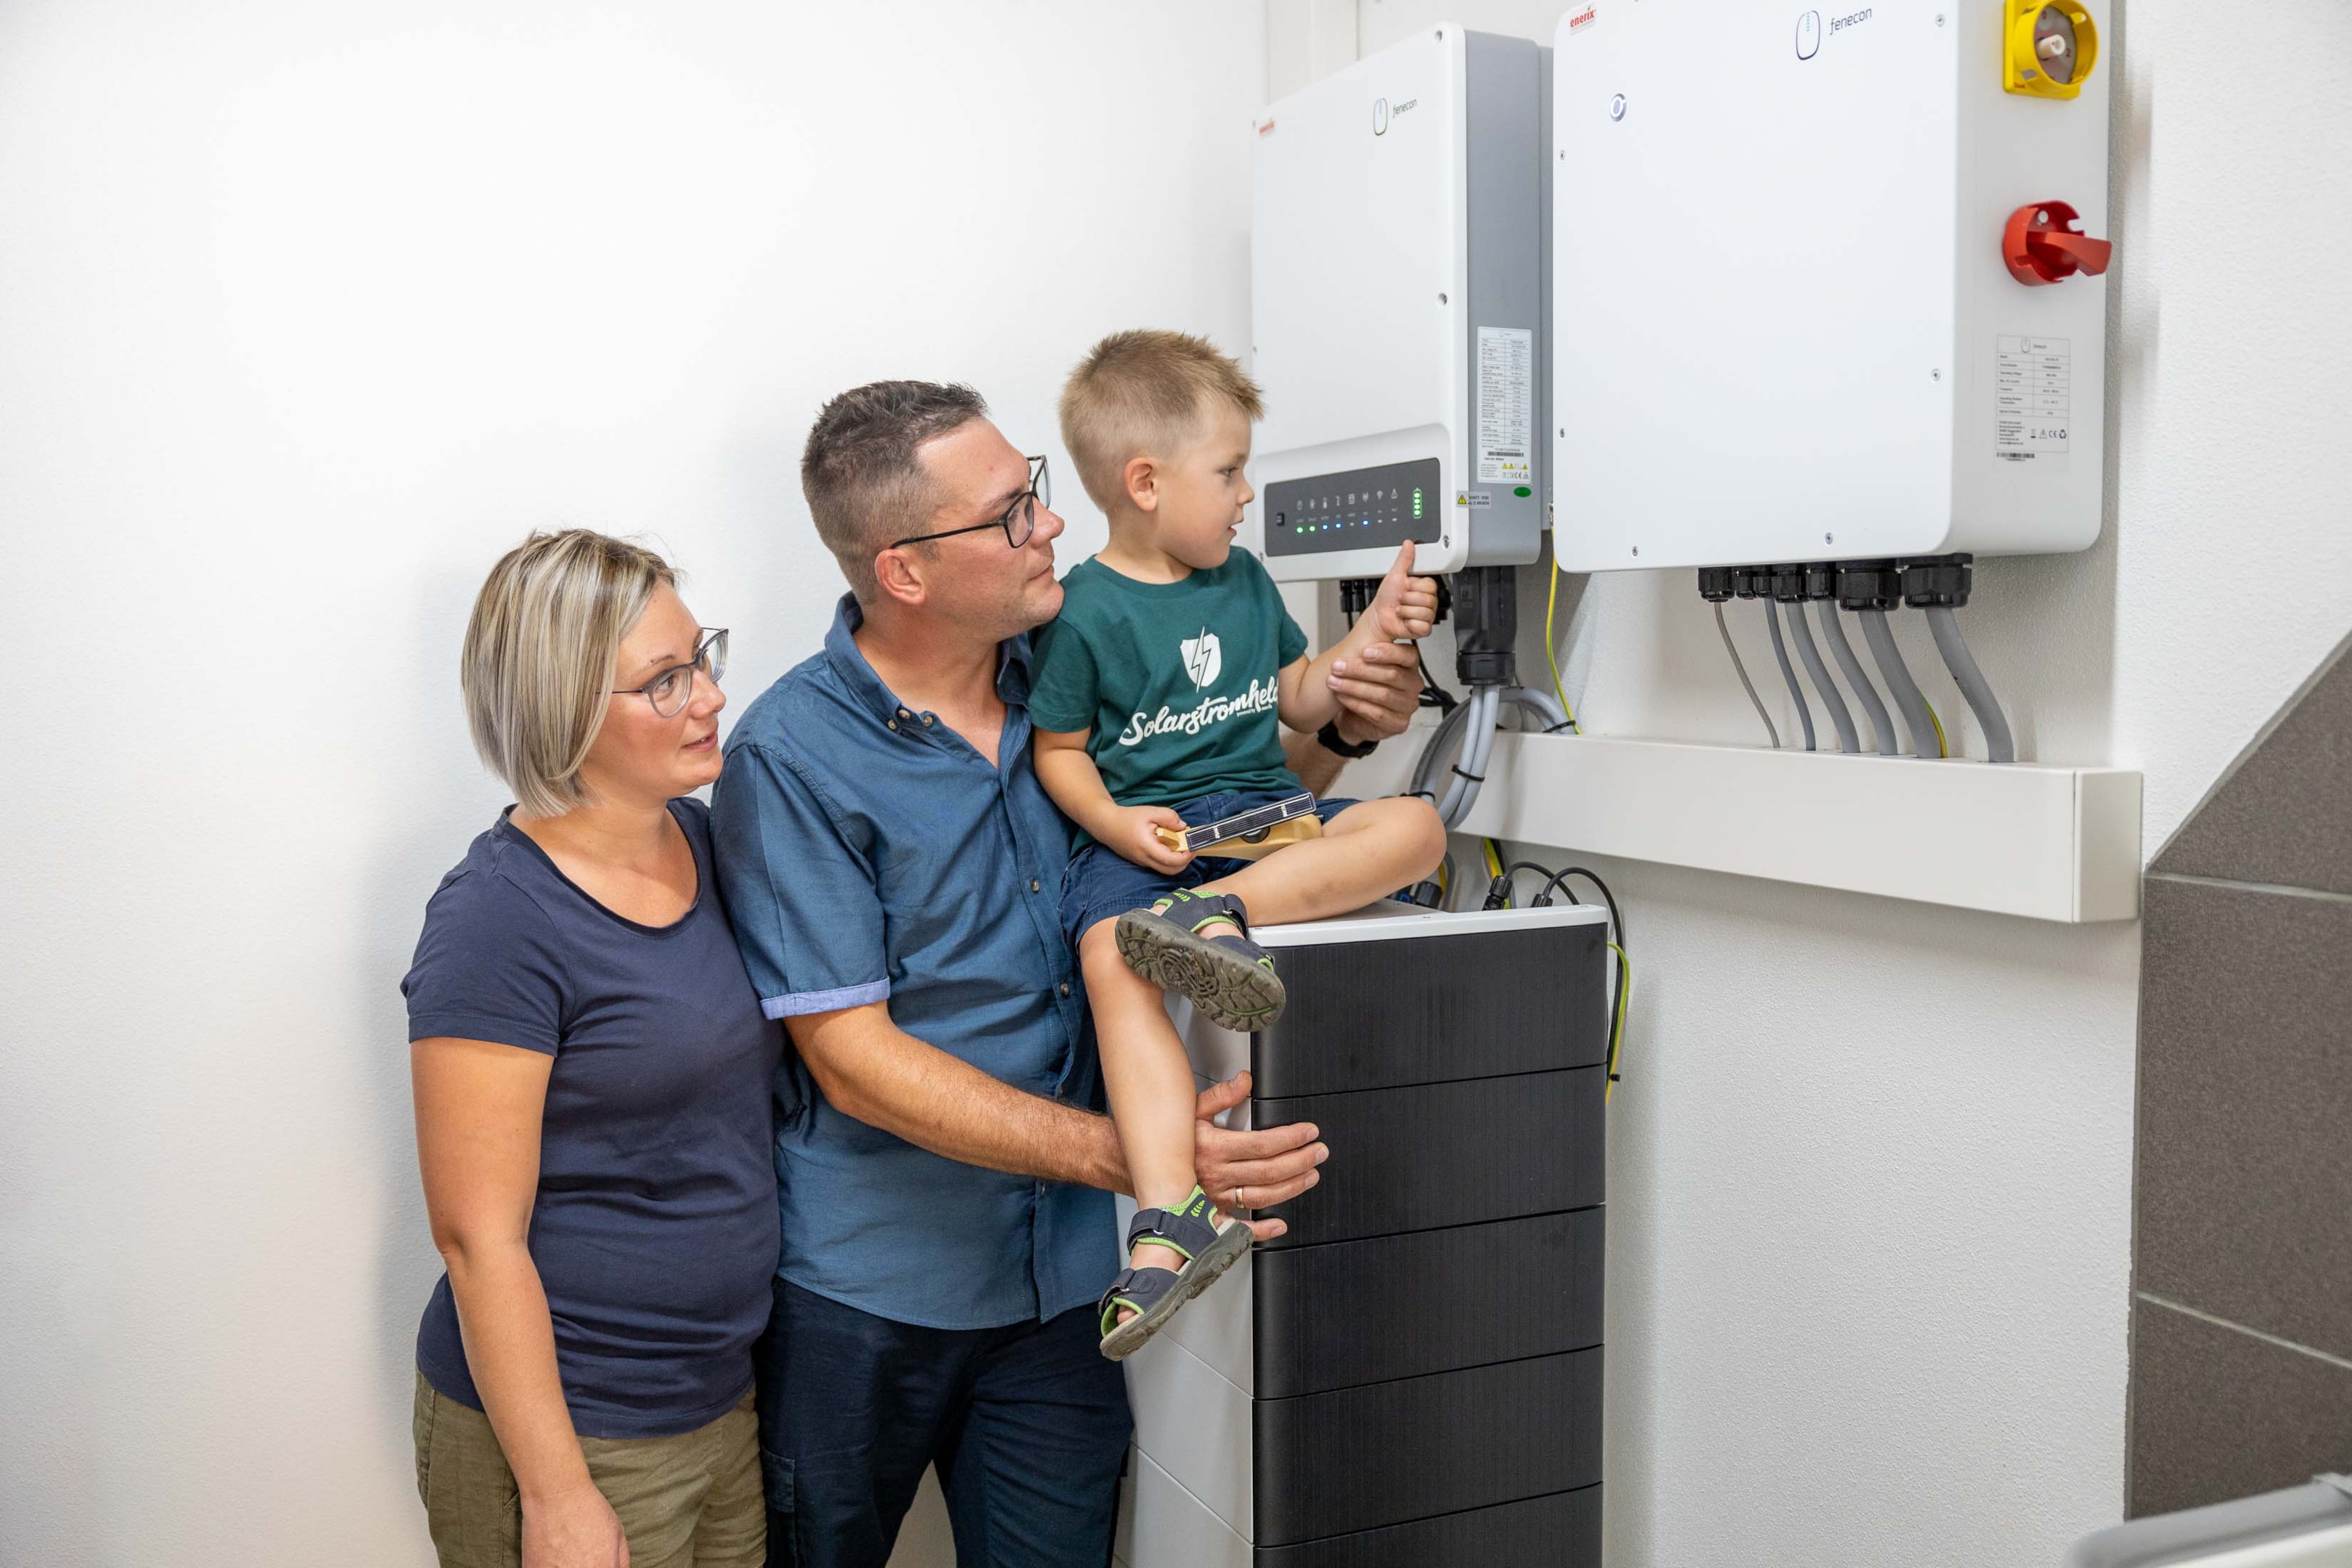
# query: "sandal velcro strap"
1136 1290
1193 910
1186 1229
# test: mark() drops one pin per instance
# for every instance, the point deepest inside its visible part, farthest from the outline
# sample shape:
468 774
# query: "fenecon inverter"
1397 296
1825 280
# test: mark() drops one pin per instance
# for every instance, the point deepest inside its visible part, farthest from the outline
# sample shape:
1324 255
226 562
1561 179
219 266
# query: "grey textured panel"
1376 1014
1503 205
2284 812
1559 1532
1365 1312
1446 1153
2243 1206
1331 1464
2217 1415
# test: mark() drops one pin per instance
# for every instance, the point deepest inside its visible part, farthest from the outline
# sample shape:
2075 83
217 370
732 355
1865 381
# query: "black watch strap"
1328 738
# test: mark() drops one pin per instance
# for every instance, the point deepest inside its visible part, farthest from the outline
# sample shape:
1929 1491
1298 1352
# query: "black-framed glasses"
1020 518
669 689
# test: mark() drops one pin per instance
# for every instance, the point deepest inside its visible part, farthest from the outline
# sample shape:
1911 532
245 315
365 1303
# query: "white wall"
306 313
1870 1182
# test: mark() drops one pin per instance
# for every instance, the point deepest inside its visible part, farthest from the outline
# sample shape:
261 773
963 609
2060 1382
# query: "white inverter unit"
1396 303
1825 280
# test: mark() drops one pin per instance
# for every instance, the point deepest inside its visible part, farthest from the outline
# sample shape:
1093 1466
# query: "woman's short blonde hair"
540 647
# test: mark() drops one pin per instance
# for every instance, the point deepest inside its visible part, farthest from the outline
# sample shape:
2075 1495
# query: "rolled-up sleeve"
800 892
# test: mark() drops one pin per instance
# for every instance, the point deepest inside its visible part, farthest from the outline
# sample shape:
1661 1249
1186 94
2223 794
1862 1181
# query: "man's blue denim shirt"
868 853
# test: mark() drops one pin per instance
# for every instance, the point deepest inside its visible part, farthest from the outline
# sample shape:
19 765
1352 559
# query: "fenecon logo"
1204 658
1839 24
1580 21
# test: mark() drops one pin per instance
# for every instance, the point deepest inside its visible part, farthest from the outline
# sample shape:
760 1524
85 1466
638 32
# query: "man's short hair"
537 671
1145 390
864 483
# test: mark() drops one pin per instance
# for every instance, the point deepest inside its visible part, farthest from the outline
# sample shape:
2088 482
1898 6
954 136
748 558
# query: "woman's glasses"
669 690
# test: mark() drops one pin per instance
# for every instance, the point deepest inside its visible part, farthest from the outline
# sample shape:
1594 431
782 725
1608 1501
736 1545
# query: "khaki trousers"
688 1501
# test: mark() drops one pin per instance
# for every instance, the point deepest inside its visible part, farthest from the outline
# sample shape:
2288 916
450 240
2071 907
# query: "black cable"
1499 896
1559 880
1431 694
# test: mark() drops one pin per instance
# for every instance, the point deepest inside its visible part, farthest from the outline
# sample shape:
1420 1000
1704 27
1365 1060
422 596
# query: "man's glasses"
668 690
1020 518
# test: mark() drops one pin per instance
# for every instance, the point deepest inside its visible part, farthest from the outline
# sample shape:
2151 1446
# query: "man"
893 870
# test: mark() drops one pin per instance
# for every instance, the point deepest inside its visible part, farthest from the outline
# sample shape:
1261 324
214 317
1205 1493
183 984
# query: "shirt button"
1035 884
1066 988
927 721
904 714
893 724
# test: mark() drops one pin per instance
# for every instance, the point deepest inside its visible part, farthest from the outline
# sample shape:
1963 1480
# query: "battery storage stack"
1410 1376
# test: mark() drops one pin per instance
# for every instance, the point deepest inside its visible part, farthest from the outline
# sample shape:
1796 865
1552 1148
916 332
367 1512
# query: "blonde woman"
591 1076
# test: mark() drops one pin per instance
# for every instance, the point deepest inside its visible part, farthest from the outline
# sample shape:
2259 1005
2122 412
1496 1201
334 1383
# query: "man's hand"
1378 691
1405 606
1135 835
1252 1170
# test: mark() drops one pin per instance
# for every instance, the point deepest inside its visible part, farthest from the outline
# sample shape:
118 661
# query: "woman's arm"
479 1105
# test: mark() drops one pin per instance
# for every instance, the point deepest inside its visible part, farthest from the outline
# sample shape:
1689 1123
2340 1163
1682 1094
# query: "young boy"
1155 698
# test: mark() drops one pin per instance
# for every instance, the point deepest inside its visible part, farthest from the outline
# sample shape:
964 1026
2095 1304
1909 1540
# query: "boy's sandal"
1230 979
1155 1294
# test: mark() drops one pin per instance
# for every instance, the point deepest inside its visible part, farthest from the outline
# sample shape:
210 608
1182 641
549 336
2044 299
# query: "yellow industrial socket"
2048 48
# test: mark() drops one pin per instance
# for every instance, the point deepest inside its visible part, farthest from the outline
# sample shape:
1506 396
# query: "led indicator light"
1416 500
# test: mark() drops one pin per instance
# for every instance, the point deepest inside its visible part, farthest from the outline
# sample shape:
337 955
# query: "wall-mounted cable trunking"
2046 842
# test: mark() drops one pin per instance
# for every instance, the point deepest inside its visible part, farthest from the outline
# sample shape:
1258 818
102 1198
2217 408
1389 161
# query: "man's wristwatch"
1328 738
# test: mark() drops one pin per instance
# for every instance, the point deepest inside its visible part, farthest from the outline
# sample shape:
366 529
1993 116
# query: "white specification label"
1506 400
2032 397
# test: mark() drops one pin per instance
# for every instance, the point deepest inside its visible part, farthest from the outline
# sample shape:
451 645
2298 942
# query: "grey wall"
2242 1321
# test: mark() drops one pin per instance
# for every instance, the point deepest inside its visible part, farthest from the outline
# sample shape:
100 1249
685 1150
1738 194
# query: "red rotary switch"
2041 245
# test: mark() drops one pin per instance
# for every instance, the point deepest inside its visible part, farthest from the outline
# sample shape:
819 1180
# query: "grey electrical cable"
1479 711
1746 685
1540 703
1475 718
1881 728
1899 684
1437 746
1802 634
1998 747
1477 747
1780 652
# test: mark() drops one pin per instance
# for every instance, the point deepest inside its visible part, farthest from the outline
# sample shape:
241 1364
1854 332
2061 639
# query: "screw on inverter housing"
1828 538
1934 375
1440 299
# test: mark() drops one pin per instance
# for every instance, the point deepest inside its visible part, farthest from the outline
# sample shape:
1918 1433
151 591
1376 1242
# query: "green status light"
1416 501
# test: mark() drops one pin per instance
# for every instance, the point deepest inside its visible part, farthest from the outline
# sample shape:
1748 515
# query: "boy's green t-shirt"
1175 680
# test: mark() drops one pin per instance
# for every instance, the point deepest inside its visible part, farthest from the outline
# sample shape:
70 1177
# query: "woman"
591 1076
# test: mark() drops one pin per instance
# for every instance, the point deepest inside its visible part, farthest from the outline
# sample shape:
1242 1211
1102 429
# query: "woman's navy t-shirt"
654 1226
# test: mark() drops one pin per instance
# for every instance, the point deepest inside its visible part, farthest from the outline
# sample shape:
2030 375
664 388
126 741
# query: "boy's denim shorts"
1100 885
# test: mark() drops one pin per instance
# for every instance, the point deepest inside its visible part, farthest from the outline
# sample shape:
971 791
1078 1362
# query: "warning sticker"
2032 398
1506 398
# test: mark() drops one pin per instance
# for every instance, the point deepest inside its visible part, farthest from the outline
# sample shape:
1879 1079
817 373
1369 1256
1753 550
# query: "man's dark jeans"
1028 1424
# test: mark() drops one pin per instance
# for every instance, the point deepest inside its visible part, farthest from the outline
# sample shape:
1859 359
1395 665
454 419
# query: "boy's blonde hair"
1145 390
